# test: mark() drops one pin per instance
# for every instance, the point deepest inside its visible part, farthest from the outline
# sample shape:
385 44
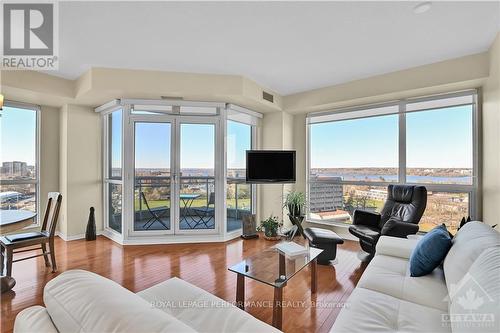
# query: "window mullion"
402 143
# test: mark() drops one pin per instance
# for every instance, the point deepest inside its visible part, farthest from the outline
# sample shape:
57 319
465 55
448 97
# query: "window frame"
251 118
253 187
106 170
473 190
36 181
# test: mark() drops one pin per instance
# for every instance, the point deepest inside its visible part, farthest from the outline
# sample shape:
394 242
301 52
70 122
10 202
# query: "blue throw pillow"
430 251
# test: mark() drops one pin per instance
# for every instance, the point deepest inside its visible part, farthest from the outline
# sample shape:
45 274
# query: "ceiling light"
422 7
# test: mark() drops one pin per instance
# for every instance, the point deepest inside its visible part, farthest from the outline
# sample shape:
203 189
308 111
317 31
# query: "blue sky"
18 135
435 139
197 145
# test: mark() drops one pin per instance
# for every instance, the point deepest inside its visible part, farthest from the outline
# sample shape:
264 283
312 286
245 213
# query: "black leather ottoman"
326 240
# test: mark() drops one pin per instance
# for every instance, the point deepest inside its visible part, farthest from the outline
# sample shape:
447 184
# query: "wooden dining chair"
11 243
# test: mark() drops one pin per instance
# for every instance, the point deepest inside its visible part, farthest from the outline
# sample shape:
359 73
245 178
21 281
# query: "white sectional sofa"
462 296
81 301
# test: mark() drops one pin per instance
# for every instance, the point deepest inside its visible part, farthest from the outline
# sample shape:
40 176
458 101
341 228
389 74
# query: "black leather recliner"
399 217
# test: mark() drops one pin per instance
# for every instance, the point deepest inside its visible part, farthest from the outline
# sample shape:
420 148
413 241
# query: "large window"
355 153
19 157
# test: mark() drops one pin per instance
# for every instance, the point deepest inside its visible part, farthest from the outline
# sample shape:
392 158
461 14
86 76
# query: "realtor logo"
29 36
472 306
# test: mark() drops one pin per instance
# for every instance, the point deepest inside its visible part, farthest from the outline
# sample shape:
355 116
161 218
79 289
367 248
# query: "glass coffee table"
273 268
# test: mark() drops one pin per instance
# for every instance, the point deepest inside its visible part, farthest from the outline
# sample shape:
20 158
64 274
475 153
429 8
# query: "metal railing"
191 184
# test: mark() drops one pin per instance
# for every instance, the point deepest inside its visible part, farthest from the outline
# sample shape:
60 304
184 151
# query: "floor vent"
268 97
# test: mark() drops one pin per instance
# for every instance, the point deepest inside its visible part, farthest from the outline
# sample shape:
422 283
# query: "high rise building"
15 168
325 196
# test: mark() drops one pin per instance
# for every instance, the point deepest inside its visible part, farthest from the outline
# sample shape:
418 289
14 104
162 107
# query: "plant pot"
271 233
294 210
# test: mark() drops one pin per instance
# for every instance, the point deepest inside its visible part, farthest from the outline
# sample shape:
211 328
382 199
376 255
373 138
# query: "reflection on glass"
355 150
152 176
115 207
197 181
239 194
115 144
439 146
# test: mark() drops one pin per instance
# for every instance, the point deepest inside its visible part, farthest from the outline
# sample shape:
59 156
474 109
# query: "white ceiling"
287 47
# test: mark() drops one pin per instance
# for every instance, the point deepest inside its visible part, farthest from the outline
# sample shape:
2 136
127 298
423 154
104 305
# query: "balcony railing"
201 185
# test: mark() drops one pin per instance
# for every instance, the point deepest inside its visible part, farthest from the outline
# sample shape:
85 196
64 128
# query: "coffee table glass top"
273 268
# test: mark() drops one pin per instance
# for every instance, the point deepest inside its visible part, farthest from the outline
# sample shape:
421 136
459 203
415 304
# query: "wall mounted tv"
270 166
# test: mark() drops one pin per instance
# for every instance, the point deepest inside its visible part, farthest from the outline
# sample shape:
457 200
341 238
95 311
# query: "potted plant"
270 227
295 202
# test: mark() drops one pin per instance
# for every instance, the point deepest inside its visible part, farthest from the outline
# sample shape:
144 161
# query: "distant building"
339 216
325 196
15 168
373 194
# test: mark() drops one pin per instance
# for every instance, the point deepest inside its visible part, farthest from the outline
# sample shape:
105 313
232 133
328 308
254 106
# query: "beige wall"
270 195
491 139
49 154
454 74
80 169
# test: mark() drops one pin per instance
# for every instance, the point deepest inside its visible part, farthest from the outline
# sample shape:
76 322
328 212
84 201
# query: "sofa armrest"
365 218
395 246
397 228
34 319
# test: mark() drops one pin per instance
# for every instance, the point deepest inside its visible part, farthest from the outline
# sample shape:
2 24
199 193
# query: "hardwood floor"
204 265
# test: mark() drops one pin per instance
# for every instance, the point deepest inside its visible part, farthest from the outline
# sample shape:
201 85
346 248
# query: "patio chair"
207 213
156 214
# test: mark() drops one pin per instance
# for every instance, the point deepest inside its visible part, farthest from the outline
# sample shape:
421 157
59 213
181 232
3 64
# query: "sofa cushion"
468 244
34 319
370 311
396 247
478 293
81 301
390 276
201 310
430 251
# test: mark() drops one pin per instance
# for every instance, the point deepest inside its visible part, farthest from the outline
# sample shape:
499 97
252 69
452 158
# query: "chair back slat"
47 213
52 213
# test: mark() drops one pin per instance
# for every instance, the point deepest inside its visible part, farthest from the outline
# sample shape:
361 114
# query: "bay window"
354 153
175 169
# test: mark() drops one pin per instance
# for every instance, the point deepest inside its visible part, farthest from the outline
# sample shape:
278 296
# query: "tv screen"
270 166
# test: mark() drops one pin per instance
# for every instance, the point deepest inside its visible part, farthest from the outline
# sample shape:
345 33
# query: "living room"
250 166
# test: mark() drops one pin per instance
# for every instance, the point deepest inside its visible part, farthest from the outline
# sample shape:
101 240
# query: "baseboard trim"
170 239
67 238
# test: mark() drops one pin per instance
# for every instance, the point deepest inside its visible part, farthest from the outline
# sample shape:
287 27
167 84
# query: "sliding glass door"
174 174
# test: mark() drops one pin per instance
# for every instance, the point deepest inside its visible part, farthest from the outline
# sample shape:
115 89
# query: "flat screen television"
270 166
